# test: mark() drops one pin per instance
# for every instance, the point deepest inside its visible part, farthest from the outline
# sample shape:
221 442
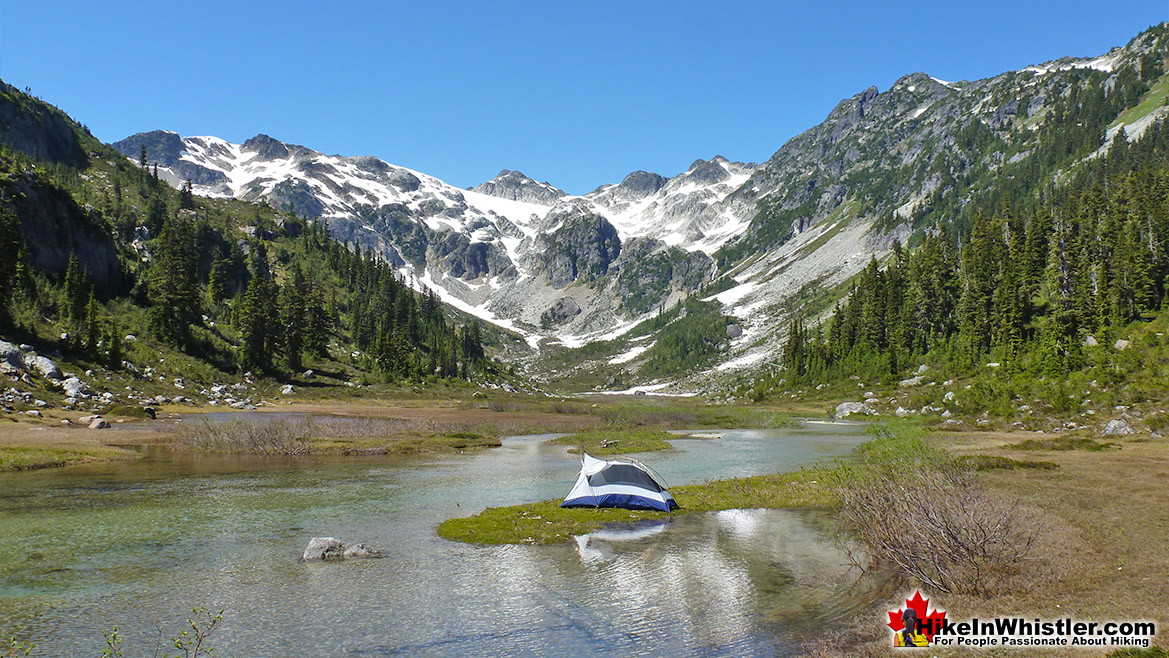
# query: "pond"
138 544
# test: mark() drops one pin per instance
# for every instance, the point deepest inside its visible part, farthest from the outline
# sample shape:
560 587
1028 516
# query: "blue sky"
575 93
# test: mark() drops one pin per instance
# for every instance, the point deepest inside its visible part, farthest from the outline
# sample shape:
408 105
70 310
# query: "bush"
925 515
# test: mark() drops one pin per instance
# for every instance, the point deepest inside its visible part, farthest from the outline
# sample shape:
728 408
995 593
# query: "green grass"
127 411
1152 652
995 462
1152 99
546 522
1064 443
23 458
615 440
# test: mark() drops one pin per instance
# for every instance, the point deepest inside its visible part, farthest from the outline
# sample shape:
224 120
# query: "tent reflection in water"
623 483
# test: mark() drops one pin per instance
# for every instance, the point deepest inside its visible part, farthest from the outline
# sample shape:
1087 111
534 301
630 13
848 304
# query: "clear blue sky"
575 93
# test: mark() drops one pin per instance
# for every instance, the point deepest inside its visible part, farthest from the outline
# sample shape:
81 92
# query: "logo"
915 625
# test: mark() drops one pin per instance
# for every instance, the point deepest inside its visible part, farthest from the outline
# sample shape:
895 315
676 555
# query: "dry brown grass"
1101 547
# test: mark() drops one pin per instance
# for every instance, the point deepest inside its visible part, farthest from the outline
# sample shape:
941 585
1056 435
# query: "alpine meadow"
907 373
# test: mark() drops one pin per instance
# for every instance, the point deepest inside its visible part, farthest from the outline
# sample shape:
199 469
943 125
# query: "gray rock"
43 365
912 381
287 389
360 550
308 374
11 360
74 388
33 412
1090 341
1121 345
516 186
846 409
1118 427
331 548
99 424
734 331
902 412
565 308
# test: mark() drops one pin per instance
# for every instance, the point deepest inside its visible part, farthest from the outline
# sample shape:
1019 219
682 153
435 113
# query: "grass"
23 458
127 411
336 435
614 440
807 487
1065 443
998 462
1153 99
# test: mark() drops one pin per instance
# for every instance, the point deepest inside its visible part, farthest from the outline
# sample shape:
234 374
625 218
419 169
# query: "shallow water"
138 544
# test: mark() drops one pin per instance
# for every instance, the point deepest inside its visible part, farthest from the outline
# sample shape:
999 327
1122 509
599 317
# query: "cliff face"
37 129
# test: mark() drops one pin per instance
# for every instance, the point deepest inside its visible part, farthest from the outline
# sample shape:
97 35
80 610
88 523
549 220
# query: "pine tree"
173 285
92 327
12 268
187 196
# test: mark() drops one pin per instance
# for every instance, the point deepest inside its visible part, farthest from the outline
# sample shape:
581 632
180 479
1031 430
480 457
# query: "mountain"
756 242
511 250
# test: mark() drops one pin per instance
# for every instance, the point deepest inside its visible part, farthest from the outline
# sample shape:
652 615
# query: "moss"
994 462
1064 443
128 411
22 458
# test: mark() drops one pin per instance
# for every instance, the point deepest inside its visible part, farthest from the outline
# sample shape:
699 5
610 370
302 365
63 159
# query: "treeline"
241 286
1026 289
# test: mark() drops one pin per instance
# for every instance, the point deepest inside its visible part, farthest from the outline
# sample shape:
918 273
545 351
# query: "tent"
621 483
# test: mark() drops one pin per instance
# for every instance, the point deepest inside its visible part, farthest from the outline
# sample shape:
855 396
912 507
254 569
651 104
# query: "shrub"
925 515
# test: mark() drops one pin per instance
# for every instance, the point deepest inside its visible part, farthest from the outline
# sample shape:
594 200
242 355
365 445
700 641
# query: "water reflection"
137 544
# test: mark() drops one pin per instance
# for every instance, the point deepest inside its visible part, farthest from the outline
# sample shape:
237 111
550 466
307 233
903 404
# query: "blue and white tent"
623 483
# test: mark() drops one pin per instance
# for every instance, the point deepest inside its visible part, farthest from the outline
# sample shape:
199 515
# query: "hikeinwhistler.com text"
1020 632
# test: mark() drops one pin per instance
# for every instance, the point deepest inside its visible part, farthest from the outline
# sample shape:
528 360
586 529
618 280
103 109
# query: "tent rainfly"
623 483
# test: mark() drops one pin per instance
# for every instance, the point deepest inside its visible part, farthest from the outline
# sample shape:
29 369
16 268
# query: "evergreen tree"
174 283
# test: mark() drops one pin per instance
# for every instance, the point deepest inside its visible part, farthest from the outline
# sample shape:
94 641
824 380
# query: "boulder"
43 365
1090 341
99 424
287 389
74 387
902 412
846 409
1121 345
11 360
308 374
1118 427
360 550
948 397
734 331
331 548
912 381
34 413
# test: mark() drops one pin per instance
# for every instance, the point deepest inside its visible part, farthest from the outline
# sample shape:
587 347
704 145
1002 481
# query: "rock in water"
361 550
331 548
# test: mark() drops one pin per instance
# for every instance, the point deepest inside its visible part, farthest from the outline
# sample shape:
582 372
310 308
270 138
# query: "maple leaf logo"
929 623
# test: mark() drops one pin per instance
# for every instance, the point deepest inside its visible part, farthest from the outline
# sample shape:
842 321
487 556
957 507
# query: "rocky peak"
162 147
514 185
641 184
707 172
266 148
